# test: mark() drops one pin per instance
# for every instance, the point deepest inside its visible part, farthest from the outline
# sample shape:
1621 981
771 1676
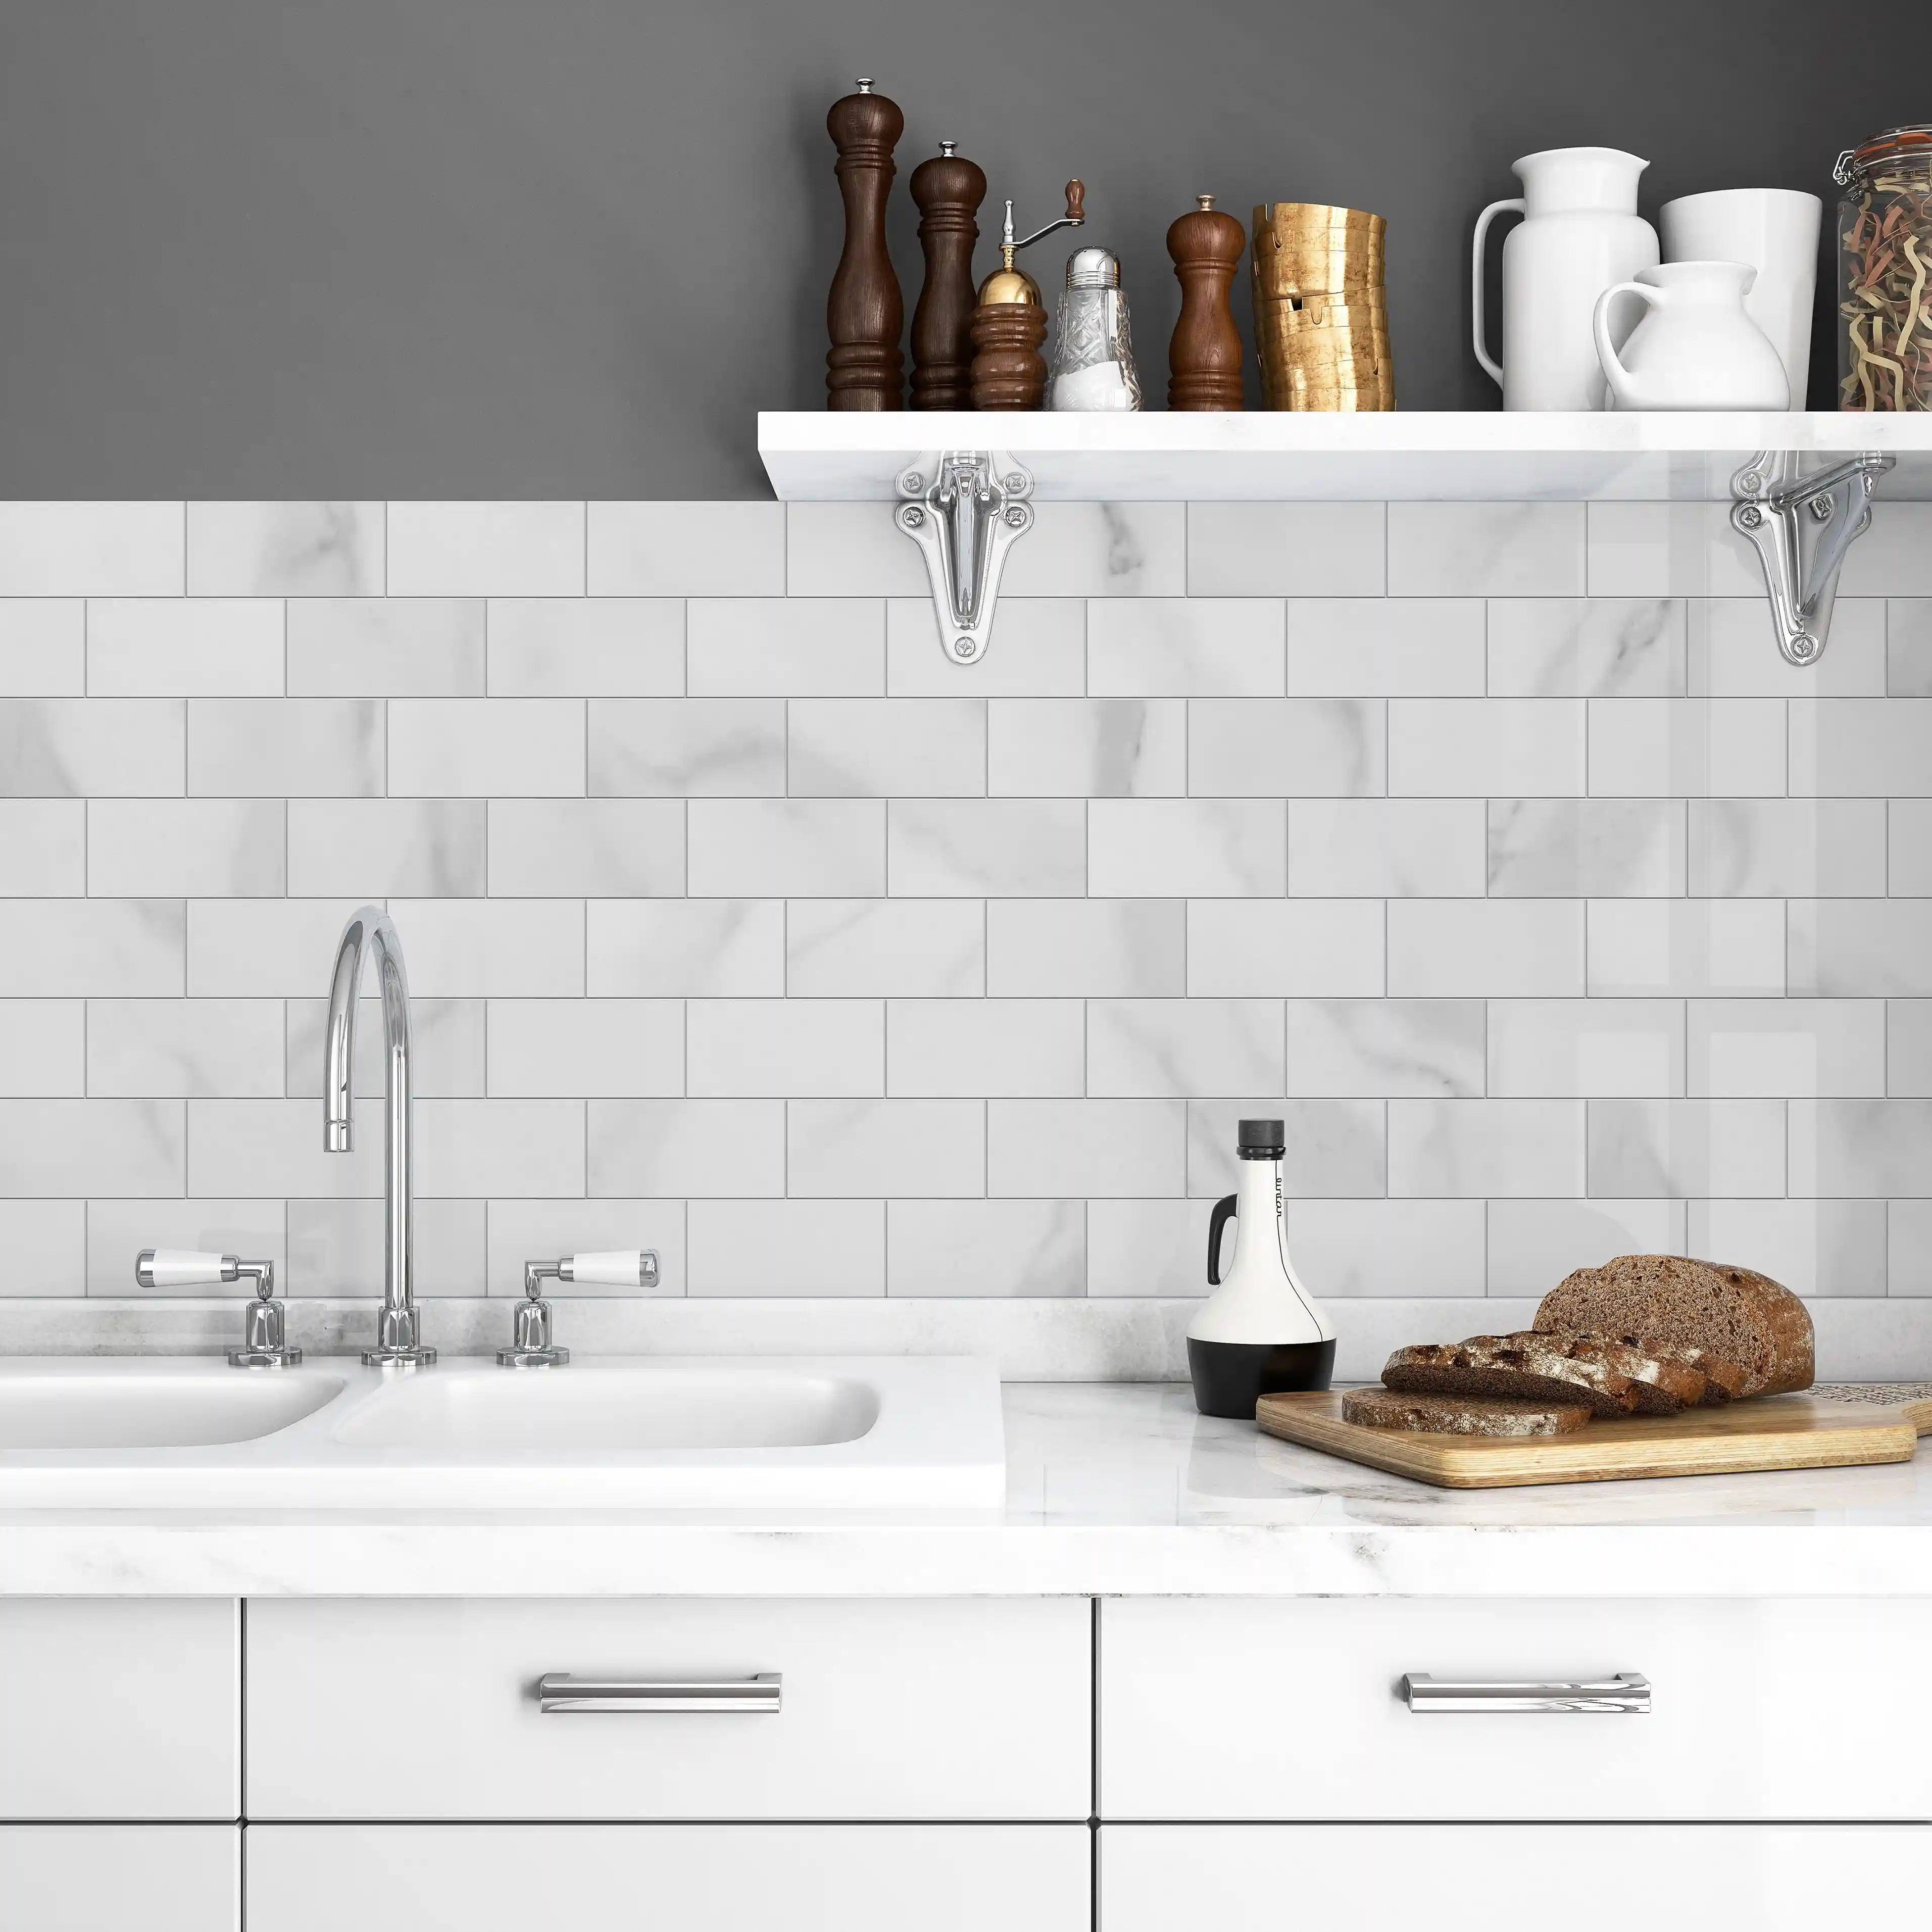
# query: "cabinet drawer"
672 1878
120 1878
1760 1710
1460 1878
935 1710
119 1707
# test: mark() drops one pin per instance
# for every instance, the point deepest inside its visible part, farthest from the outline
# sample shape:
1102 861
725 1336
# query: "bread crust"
1461 1415
1737 1314
1534 1365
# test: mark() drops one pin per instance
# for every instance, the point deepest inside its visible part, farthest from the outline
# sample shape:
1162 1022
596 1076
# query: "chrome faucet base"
264 1358
531 1358
398 1358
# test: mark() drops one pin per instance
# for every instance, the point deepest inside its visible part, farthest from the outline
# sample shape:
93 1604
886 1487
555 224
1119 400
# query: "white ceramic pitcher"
1580 232
1696 348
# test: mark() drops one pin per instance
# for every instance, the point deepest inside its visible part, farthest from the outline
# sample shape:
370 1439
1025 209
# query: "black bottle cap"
1260 1140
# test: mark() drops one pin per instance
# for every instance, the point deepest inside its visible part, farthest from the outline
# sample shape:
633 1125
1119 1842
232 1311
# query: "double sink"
894 1433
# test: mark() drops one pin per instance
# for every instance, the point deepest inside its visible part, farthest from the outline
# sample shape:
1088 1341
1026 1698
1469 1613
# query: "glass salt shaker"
1093 351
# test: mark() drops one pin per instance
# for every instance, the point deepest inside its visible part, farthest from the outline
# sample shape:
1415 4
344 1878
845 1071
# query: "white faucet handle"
621 1268
184 1267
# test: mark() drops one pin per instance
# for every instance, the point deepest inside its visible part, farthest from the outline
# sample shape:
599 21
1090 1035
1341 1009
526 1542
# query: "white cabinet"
1475 1878
1290 1711
960 1710
672 1878
120 1878
119 1707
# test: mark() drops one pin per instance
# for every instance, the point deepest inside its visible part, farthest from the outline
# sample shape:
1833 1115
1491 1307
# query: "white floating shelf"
1274 457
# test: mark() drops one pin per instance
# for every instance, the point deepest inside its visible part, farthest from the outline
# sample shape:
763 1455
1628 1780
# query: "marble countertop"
1115 1488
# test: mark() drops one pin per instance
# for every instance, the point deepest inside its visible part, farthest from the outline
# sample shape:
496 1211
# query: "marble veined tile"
759 1248
1111 1150
184 646
43 847
1465 949
43 1048
1478 1149
1039 649
46 1247
886 747
111 948
1860 948
371 848
1734 651
1085 748
687 748
67 1147
284 748
1687 1149
911 948
1533 1244
1274 948
1813 1247
1289 747
1099 549
1801 1047
1350 1250
1007 848
335 1249
188 1048
1469 748
1678 748
1787 847
915 1146
445 1042
1862 748
1122 948
1287 549
1335 1148
585 646
1193 1046
686 1149
586 847
786 647
1908 1039
560 1048
981 1047
1387 848
1575 1049
486 748
1908 648
1187 848
1861 1149
475 549
1586 647
986 1247
1185 647
91 747
787 848
1909 847
1429 1048
1648 948
1585 848
286 550
91 549
43 647
783 1047
1385 647
385 647
186 847
718 948
687 550
1485 550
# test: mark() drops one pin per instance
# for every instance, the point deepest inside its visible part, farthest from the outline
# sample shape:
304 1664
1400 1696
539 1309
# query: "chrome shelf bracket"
1800 527
964 508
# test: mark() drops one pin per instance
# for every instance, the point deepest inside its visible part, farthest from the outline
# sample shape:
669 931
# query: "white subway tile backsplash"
91 550
687 748
1191 1046
969 1047
1386 848
256 948
1860 1149
43 647
170 647
384 647
1041 651
1893 555
1909 1248
1908 1041
607 1047
1787 847
270 1148
780 1047
716 948
283 748
1123 948
1669 550
1317 747
1427 1049
758 1248
886 747
860 948
1687 1149
1459 748
486 550
1346 1250
1463 949
1908 646
198 1048
117 1231
943 848
1680 748
1586 647
486 748
1862 748
446 1047
475 1149
71 1148
1486 1149
1337 1148
779 848
1105 1150
1860 949
1533 1244
869 1148
1385 647
1148 1247
43 847
1100 549
586 847
1020 1248
1085 747
1186 647
1565 1049
845 549
1804 1048
370 847
776 647
546 1231
43 1049
1586 848
91 747
686 550
286 550
1908 847
490 949
1485 550
1182 848
1302 948
1287 549
1734 651
1813 1247
187 847
580 647
674 1149
105 947
1645 948
336 1249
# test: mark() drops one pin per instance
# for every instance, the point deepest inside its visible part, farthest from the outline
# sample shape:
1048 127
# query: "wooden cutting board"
1825 1429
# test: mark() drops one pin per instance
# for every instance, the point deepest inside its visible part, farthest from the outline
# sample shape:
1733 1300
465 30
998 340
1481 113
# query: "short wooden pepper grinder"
864 313
1204 359
949 189
1009 324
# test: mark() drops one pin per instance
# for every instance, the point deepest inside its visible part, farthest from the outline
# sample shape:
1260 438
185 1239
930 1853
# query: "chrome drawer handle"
559 1694
1625 1692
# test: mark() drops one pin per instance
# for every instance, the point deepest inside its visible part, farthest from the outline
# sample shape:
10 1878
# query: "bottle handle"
1476 328
1224 1212
1615 373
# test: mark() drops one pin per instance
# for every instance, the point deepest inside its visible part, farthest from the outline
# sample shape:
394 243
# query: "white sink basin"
906 1432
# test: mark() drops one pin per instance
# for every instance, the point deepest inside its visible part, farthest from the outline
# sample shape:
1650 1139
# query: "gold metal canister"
1321 314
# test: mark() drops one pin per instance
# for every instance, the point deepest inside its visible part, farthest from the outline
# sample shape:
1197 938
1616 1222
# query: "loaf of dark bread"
1461 1415
1536 1365
1737 1315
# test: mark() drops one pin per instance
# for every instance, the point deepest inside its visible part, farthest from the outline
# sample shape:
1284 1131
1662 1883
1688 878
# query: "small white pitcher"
1696 349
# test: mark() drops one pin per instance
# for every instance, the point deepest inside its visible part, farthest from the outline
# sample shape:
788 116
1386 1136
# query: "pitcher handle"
1615 373
1476 329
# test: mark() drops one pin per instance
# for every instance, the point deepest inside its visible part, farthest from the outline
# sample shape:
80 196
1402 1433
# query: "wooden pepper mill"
1009 324
949 189
864 313
1204 359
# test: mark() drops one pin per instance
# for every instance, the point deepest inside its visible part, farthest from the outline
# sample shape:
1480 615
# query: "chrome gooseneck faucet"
398 1343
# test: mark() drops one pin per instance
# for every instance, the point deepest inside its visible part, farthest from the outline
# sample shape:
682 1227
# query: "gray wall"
343 248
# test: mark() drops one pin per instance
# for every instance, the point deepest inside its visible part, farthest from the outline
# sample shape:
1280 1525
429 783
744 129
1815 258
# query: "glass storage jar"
1885 271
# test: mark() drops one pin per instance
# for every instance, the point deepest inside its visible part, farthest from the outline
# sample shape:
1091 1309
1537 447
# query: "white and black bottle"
1261 1331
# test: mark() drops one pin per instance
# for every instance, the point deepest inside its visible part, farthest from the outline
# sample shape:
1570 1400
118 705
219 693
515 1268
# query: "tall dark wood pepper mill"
949 189
864 313
1203 359
1009 324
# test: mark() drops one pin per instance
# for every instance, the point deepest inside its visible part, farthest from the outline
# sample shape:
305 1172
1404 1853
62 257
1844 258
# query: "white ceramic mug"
1775 229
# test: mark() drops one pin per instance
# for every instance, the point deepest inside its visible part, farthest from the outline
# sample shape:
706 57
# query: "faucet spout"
370 929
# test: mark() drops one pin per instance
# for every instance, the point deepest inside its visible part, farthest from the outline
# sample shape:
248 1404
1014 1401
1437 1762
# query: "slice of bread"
1461 1415
1739 1315
1536 1365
